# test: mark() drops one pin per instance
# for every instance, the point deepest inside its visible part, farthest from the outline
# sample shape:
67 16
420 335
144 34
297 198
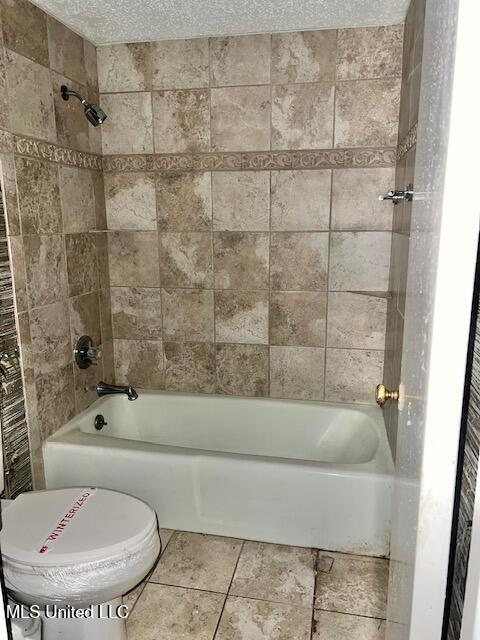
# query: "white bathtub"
296 473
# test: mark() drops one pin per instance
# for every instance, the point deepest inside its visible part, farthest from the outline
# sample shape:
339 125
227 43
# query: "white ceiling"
108 21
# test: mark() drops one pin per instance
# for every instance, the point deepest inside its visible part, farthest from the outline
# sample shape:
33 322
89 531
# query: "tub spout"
105 389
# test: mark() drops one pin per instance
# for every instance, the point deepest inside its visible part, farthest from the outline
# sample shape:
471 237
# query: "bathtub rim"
381 464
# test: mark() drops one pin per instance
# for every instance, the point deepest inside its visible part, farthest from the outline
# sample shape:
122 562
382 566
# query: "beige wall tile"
241 260
372 52
356 321
302 116
78 199
181 121
359 261
180 64
136 313
105 302
351 375
133 259
81 254
25 29
108 362
102 260
301 200
184 201
50 345
129 126
55 399
4 114
297 373
304 56
99 196
399 269
85 318
46 269
366 113
355 203
72 125
241 200
8 183
124 67
299 261
66 51
38 196
241 316
240 60
190 367
95 133
130 201
84 381
91 69
298 318
242 369
186 260
17 261
188 315
30 90
139 363
241 118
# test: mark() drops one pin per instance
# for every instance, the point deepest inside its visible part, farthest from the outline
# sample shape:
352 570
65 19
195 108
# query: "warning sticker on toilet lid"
62 525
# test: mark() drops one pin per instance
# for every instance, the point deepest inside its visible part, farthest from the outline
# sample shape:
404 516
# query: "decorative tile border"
227 161
55 153
263 160
409 141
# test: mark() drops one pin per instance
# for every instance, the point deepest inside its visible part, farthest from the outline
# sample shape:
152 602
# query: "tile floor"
214 588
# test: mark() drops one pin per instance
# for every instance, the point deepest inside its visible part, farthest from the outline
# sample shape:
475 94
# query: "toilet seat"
107 545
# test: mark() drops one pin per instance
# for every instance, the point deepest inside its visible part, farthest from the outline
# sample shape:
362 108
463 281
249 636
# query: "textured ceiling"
107 21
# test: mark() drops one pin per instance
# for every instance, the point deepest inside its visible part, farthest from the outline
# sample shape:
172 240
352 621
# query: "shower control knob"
382 394
85 353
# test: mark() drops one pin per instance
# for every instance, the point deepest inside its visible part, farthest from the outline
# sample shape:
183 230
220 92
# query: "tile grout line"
313 622
228 590
150 573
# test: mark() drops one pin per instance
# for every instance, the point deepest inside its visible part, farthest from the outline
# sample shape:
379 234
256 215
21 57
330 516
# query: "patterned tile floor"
214 588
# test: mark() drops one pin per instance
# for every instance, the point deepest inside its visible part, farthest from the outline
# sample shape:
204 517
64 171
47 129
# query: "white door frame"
443 246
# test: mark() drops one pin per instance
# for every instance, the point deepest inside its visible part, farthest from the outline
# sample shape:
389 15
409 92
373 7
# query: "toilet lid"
72 526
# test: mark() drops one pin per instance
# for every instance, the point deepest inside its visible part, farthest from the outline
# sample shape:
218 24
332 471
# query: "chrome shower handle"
395 195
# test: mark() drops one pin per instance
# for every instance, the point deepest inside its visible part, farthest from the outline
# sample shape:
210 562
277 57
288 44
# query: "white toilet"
67 551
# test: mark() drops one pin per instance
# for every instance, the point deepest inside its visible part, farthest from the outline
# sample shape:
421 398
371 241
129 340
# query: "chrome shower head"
94 114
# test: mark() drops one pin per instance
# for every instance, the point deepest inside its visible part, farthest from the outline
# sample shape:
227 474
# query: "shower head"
94 114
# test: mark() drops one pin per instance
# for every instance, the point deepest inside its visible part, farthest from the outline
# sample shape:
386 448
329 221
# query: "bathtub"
298 473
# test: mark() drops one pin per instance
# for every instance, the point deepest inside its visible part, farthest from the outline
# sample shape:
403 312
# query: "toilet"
69 555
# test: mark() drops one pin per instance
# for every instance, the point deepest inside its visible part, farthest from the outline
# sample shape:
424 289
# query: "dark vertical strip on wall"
469 449
16 449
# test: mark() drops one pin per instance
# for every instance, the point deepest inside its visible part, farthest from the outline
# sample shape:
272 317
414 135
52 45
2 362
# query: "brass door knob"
382 394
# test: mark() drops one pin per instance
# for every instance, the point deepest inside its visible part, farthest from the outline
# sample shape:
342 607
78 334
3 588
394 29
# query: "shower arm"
66 93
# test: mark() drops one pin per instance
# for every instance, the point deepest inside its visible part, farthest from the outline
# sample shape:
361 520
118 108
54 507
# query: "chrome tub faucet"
105 389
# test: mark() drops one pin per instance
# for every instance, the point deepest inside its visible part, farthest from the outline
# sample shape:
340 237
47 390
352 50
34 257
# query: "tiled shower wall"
249 253
410 95
53 187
